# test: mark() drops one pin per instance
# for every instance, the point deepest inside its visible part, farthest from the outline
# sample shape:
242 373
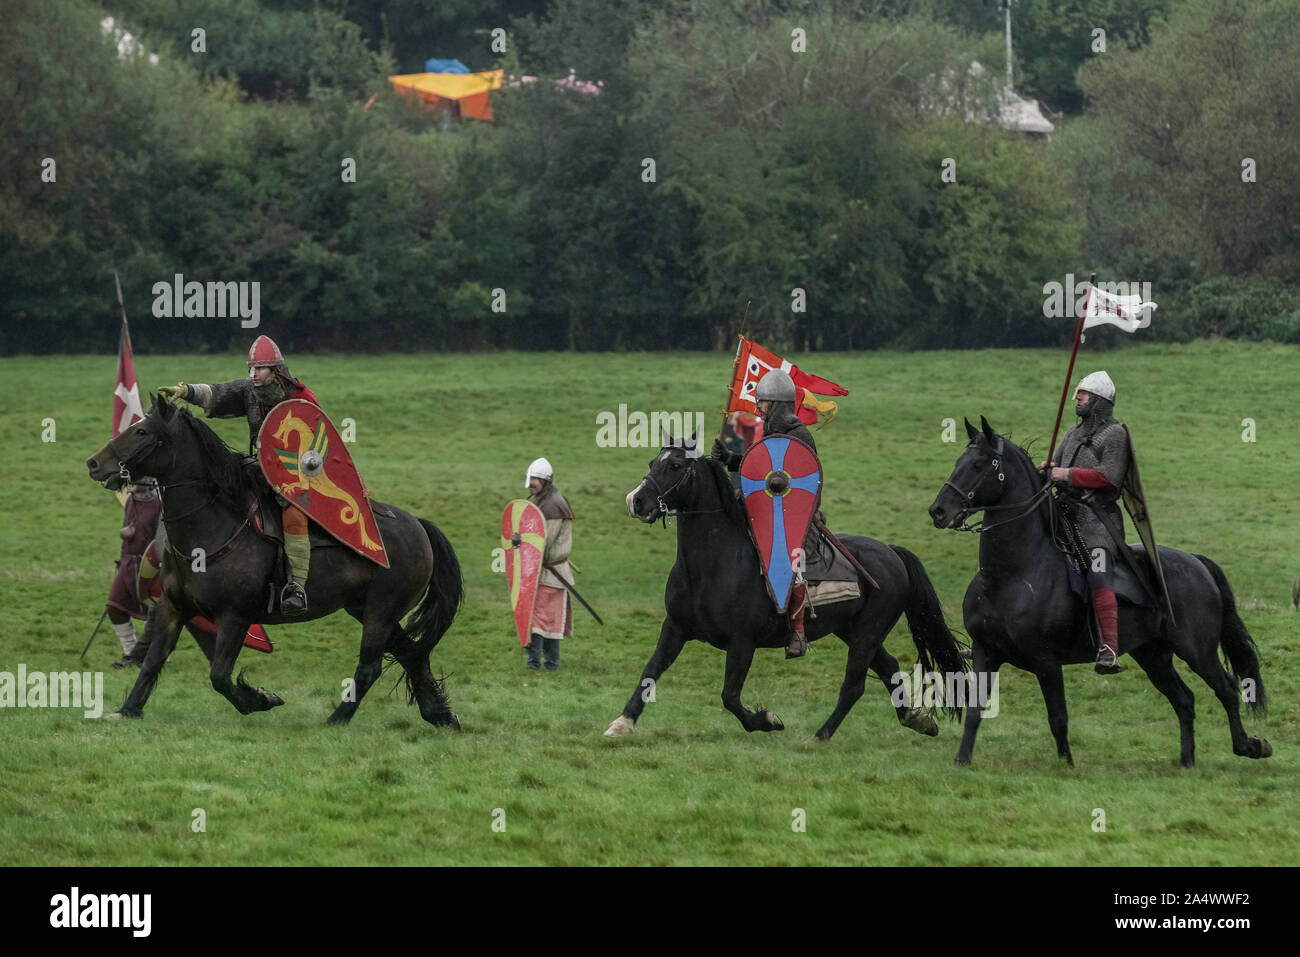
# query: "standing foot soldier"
268 384
1094 459
776 395
552 612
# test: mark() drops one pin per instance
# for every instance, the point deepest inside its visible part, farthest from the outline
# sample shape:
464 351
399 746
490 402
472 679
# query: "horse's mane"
726 491
224 466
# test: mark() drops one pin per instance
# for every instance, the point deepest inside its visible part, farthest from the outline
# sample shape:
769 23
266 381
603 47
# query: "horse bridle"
665 512
982 526
123 466
124 472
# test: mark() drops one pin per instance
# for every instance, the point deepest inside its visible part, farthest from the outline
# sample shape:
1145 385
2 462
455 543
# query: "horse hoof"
921 723
1265 749
620 727
454 723
273 700
114 716
774 722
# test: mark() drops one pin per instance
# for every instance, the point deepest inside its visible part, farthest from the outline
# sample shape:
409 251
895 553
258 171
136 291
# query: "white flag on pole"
1128 312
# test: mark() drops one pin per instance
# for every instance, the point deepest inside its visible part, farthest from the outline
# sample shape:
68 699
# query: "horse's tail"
1243 657
935 642
446 592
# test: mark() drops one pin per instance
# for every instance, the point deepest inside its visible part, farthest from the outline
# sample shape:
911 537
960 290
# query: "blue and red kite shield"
780 479
523 538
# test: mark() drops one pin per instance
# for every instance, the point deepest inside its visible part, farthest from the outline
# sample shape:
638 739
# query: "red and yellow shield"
523 538
780 479
305 461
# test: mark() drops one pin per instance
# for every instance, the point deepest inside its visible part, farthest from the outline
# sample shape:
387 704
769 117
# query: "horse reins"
982 526
665 512
124 472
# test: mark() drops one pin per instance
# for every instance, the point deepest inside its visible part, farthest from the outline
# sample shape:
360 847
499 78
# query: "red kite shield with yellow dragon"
305 461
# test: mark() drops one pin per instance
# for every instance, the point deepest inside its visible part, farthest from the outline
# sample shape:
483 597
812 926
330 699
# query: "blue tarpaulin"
445 66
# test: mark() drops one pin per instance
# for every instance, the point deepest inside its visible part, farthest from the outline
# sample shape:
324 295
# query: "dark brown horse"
207 502
1020 609
715 594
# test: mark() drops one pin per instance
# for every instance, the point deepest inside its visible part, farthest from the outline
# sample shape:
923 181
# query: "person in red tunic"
139 525
268 384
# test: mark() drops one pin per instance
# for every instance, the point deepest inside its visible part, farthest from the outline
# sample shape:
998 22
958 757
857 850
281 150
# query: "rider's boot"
798 644
1107 609
297 547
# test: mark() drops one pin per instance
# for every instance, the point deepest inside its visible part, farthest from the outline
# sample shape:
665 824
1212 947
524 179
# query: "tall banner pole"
122 305
731 386
121 494
1065 389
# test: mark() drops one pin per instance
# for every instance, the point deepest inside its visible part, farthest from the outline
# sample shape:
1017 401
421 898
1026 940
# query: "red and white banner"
126 395
753 362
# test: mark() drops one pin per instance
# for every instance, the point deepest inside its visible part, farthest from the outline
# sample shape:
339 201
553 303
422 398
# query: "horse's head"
142 449
978 480
669 483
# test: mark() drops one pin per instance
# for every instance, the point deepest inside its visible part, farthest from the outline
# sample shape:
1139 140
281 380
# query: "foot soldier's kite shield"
780 479
305 461
523 537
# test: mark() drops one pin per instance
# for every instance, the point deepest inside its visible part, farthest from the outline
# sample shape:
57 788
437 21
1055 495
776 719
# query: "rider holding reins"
1094 459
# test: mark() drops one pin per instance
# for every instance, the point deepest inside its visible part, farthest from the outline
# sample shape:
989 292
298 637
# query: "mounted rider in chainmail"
776 395
268 384
1090 470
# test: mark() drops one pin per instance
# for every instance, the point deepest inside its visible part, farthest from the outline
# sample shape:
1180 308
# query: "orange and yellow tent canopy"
470 90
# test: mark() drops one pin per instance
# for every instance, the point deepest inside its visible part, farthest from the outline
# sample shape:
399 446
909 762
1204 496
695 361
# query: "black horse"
209 503
1020 608
716 594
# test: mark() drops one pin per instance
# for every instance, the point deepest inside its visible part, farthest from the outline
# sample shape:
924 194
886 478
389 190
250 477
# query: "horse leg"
206 641
739 658
425 690
984 667
375 633
885 666
671 642
1052 683
1208 666
855 678
245 698
1158 663
161 631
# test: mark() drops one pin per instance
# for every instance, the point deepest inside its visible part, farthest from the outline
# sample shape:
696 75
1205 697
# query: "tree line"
826 174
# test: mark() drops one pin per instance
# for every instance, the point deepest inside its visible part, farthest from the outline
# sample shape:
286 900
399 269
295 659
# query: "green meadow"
530 779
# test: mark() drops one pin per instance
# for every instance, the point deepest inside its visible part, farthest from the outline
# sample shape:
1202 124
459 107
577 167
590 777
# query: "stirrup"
1107 662
293 600
796 647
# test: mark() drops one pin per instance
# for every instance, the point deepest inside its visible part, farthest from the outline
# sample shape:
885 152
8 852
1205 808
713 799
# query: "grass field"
449 437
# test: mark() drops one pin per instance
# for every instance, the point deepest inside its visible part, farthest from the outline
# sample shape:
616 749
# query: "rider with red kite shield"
268 384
